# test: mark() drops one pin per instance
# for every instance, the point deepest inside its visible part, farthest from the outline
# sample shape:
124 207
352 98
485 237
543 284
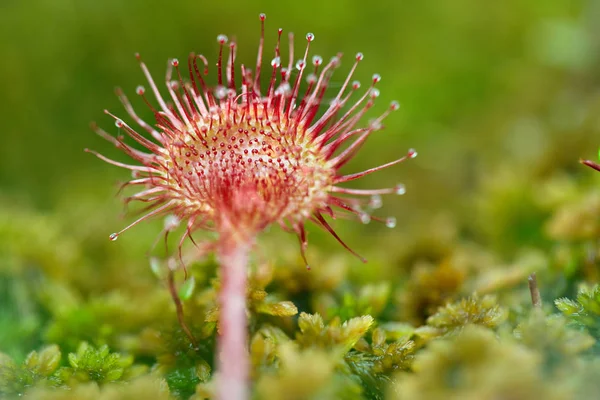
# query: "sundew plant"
235 160
260 249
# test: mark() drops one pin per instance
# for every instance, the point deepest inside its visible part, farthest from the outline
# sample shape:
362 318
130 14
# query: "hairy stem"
233 362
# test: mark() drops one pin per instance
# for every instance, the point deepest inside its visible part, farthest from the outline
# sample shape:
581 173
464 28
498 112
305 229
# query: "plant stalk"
233 360
536 299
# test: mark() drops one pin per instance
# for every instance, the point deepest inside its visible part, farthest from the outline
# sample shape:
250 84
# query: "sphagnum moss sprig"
234 159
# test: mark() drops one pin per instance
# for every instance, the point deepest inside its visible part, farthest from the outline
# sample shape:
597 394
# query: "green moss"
583 313
373 363
146 387
369 299
474 365
350 339
182 366
551 334
313 365
38 369
97 365
102 319
335 335
554 341
429 287
453 317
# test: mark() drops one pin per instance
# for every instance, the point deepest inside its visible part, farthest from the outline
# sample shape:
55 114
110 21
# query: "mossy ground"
454 322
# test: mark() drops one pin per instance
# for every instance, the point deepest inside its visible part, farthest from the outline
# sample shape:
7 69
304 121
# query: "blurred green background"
488 90
481 84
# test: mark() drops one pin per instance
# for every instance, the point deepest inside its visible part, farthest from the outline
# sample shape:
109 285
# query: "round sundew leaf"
157 268
187 289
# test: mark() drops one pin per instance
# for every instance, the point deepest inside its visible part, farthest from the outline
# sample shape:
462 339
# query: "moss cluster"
457 325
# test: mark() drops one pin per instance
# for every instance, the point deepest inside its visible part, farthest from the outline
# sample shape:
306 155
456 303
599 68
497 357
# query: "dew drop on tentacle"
412 153
375 124
113 236
400 189
171 222
220 92
284 73
365 218
390 222
375 202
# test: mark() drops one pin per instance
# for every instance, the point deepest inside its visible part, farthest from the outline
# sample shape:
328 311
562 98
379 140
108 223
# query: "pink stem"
233 363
